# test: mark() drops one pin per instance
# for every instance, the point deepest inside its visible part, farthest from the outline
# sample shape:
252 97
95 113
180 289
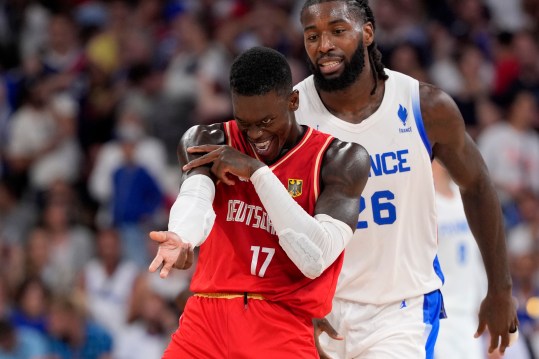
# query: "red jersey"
242 252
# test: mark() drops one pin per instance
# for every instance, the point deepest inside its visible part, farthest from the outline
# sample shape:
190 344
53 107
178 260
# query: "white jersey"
393 253
465 281
109 296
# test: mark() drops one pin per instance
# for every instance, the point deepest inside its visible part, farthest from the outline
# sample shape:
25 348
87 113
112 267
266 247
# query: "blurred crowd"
94 96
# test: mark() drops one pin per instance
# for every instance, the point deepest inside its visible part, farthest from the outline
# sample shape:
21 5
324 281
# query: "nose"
254 132
326 43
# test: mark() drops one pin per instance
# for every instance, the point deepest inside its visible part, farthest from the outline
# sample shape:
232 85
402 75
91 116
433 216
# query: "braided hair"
362 9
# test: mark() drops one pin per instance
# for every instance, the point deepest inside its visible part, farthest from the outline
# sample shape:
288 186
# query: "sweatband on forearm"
192 215
312 243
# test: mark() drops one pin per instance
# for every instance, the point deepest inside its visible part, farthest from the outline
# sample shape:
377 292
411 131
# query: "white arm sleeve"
312 243
192 216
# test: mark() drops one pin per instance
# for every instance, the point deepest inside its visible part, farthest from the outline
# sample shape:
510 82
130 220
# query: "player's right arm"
191 216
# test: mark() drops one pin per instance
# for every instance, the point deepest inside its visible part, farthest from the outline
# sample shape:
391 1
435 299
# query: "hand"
498 313
226 160
172 252
322 325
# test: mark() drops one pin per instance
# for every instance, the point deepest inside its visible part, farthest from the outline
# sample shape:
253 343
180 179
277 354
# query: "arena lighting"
532 307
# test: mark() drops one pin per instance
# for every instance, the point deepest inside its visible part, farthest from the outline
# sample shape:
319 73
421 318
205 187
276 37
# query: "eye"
266 121
338 31
241 124
311 37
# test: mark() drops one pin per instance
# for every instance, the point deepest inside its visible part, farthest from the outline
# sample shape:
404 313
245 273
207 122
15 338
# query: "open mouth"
329 66
262 146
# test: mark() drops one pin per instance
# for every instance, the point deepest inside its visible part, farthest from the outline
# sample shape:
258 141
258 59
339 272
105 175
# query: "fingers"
504 343
480 328
165 270
203 148
155 263
222 174
158 236
190 258
203 160
324 326
182 257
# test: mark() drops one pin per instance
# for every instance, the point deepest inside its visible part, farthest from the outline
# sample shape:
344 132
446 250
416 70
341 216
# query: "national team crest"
294 187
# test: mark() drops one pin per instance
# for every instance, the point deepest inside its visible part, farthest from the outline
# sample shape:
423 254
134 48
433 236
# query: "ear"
293 100
368 34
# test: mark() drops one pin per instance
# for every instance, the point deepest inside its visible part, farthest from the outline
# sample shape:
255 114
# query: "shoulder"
441 116
204 135
346 157
305 83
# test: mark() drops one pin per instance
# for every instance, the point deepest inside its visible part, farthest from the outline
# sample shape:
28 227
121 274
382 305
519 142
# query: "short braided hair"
361 8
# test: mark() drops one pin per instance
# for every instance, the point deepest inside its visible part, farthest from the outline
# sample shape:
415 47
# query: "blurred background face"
56 215
62 34
38 248
524 111
33 300
108 246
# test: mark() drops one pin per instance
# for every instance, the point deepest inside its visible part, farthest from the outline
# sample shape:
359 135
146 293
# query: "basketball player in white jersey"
388 301
465 281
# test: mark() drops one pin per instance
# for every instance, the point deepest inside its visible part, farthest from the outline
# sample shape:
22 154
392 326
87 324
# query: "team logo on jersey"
294 187
403 116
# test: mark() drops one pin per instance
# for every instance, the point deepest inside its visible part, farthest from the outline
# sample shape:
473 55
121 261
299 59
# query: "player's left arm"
458 153
313 243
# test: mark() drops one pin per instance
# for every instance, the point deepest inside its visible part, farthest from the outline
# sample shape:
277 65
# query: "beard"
351 72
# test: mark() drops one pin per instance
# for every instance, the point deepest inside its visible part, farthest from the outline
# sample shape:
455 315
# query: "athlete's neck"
355 103
298 131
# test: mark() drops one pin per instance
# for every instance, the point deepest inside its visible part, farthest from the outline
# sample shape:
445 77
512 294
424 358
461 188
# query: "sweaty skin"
333 32
202 150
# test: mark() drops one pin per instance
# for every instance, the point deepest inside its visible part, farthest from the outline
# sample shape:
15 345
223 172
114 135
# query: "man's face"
333 38
267 122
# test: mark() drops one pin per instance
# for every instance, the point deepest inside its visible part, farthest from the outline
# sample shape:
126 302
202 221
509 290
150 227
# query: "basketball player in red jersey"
272 204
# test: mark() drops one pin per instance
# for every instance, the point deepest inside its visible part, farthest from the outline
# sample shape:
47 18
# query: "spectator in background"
62 160
73 335
148 335
136 196
511 152
37 255
5 112
475 76
62 56
107 283
146 151
397 22
197 68
69 244
526 48
407 59
17 215
132 159
506 67
21 343
30 305
465 280
32 128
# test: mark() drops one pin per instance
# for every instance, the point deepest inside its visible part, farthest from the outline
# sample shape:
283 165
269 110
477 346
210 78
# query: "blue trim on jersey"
438 269
419 121
433 310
